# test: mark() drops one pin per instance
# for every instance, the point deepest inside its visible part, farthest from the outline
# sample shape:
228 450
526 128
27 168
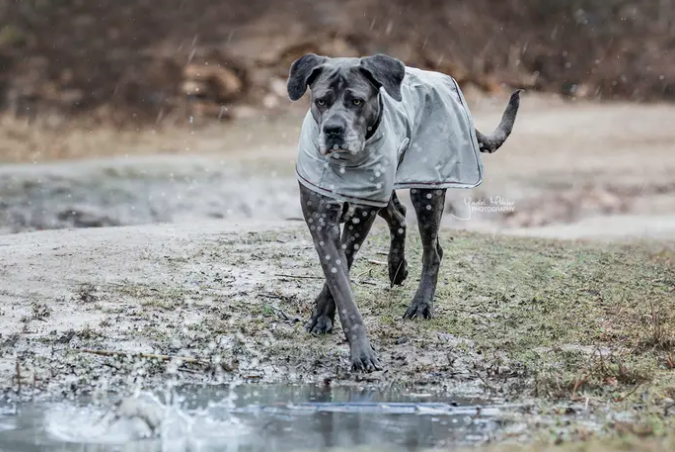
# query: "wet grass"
568 322
579 319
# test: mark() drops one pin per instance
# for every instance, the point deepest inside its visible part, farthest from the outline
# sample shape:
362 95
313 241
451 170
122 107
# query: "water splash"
166 426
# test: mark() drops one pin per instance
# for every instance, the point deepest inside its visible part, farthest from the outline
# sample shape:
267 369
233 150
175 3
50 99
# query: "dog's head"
345 95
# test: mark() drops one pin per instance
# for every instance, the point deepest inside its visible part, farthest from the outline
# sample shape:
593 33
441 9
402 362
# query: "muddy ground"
555 326
224 275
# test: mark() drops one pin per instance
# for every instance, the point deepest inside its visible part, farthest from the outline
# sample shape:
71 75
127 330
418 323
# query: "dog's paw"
364 358
418 309
321 324
398 272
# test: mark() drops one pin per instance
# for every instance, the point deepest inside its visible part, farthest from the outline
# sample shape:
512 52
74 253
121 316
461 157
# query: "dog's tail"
493 142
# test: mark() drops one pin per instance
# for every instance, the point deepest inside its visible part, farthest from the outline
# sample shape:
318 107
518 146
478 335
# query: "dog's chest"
367 178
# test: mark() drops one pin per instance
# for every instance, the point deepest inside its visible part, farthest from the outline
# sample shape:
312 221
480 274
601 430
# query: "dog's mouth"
340 145
335 150
339 150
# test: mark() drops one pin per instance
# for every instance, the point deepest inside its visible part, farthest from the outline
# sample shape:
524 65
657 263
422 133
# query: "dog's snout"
334 128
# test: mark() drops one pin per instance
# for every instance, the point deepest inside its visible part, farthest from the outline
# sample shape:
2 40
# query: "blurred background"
119 113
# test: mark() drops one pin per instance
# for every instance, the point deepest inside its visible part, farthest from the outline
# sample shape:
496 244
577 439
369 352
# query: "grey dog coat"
427 140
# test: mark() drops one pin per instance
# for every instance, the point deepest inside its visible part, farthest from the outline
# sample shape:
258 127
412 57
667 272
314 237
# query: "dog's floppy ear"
385 71
303 71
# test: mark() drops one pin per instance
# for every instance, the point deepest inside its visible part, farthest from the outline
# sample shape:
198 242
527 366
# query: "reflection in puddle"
251 418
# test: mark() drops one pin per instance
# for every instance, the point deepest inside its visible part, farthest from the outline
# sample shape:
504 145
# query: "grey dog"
348 104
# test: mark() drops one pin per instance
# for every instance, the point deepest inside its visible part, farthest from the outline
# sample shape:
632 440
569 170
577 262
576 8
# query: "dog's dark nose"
333 129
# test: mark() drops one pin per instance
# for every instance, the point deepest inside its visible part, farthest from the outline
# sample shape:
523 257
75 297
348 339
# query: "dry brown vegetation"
139 61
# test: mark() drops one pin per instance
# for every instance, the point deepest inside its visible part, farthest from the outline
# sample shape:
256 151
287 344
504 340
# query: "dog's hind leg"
429 209
394 215
323 313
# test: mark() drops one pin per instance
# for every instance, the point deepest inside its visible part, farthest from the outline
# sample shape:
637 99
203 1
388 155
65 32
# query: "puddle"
252 418
117 192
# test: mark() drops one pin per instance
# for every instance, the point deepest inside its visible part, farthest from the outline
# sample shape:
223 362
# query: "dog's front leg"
353 235
323 218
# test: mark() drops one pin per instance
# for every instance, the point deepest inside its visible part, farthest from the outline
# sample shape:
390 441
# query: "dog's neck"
375 122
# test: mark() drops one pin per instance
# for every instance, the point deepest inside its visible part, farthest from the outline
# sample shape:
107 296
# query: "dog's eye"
320 102
357 102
